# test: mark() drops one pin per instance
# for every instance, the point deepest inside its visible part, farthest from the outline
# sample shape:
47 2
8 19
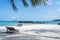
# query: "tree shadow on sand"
37 31
44 30
51 37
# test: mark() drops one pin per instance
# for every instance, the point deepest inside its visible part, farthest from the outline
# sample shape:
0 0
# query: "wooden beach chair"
11 30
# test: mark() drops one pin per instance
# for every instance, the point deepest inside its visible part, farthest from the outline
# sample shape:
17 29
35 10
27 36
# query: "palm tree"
33 2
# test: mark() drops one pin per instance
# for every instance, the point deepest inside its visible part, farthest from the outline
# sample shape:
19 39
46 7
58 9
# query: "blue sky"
49 12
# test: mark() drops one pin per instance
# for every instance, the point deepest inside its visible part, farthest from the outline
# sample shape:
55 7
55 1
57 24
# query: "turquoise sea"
15 23
8 23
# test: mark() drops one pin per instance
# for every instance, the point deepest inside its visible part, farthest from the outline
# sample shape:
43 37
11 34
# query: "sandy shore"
33 32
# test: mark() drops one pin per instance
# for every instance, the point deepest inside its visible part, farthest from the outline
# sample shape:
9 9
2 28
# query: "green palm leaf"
33 2
25 3
13 5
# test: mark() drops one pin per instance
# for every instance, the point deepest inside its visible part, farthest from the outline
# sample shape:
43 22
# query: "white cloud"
49 2
51 17
13 17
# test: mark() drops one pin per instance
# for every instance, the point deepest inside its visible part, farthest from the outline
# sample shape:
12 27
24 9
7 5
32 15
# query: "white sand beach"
32 32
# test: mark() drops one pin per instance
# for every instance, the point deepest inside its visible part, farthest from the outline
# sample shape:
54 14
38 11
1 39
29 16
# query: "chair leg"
7 30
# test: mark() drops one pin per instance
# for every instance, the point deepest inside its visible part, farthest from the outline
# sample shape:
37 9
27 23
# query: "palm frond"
37 2
25 3
43 1
33 2
13 5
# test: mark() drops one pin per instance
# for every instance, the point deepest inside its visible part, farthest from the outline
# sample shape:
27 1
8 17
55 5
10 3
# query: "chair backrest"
10 28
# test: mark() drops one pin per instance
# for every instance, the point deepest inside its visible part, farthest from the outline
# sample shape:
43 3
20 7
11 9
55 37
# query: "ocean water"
8 23
15 23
